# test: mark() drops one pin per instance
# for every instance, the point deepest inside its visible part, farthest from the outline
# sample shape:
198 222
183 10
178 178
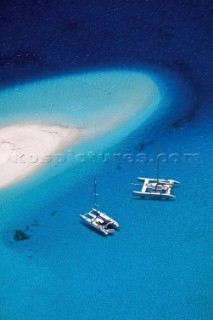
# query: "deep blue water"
159 265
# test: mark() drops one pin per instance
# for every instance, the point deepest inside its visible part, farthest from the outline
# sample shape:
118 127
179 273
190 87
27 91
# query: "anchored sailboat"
160 189
97 219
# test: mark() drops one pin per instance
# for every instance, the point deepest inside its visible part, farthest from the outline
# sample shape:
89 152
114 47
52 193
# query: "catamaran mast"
157 168
157 171
95 204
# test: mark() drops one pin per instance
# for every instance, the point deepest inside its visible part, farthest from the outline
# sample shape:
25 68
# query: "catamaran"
160 189
98 219
156 188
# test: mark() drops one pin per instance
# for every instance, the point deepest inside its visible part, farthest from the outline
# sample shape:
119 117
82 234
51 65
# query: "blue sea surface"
85 64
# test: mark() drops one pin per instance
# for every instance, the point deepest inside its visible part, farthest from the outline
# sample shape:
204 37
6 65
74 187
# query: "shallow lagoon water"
159 266
156 267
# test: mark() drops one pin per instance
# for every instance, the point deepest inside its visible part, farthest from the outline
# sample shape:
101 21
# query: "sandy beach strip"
26 147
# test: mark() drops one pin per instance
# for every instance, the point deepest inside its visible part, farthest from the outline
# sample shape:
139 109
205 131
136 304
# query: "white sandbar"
25 147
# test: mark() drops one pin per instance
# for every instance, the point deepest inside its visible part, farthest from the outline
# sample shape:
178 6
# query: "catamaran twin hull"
100 221
105 217
156 189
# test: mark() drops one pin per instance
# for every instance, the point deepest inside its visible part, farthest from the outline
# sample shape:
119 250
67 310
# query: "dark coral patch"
35 223
20 235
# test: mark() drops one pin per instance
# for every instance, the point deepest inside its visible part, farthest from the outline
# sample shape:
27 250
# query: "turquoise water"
158 266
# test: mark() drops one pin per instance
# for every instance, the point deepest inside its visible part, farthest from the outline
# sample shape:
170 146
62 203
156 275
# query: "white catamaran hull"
160 189
105 217
153 195
99 220
160 181
95 223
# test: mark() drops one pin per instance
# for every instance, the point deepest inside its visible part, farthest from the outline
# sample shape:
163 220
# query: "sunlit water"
158 265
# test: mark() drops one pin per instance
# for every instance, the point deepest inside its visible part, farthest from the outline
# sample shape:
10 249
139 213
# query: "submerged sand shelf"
100 108
26 147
